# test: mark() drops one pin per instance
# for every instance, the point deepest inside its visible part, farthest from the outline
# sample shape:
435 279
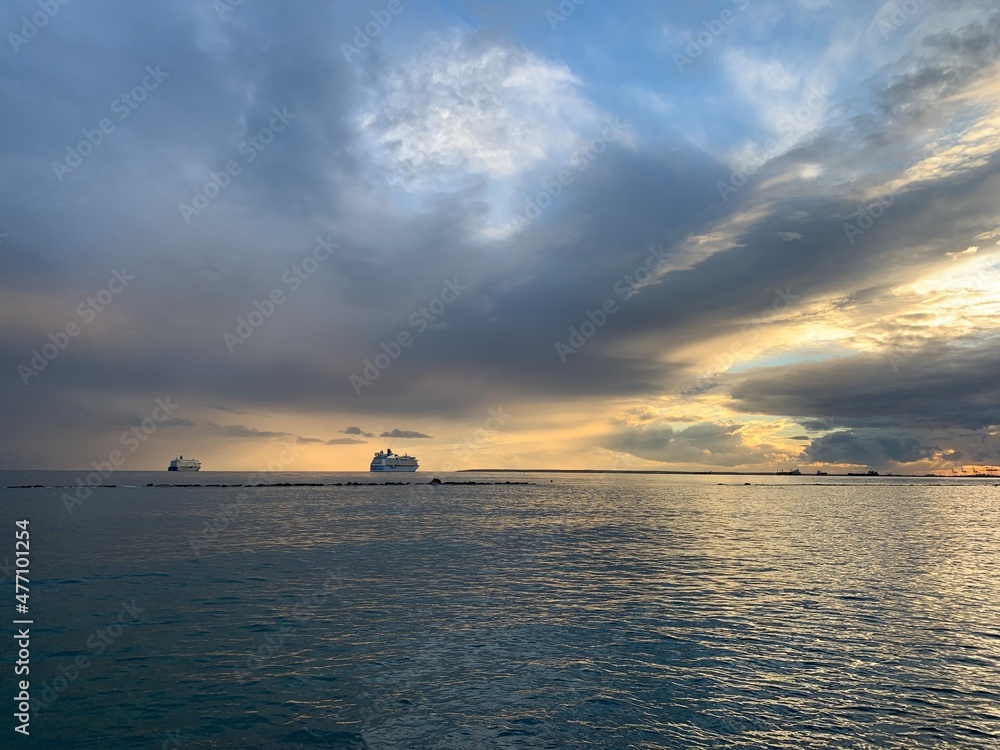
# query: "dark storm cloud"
732 287
936 387
815 426
951 59
867 448
623 199
505 351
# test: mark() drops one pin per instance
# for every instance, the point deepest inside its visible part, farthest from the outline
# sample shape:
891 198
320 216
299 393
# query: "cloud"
409 155
867 448
356 431
468 106
651 443
344 441
703 444
252 433
407 434
242 431
937 386
226 409
819 425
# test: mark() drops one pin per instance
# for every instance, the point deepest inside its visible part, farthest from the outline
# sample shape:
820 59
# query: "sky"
726 234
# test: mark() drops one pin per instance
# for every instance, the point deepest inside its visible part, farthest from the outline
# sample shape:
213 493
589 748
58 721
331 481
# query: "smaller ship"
388 461
869 473
788 473
184 464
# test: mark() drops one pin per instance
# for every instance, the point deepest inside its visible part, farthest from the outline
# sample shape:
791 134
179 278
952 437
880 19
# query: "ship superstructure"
388 461
184 464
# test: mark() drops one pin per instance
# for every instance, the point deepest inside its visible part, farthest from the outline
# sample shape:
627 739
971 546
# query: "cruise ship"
184 464
388 461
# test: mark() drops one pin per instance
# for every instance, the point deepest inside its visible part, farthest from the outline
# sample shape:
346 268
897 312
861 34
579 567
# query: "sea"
528 610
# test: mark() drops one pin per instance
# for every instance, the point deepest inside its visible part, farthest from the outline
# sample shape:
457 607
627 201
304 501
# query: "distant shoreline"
431 472
728 473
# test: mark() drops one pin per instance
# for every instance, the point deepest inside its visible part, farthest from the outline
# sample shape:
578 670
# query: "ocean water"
574 612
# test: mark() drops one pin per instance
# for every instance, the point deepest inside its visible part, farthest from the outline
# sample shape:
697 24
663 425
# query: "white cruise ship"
184 464
388 461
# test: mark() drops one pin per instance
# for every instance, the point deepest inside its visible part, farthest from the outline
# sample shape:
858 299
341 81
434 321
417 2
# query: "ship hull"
183 468
393 468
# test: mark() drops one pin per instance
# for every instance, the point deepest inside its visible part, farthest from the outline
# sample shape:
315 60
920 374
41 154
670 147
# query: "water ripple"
646 612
